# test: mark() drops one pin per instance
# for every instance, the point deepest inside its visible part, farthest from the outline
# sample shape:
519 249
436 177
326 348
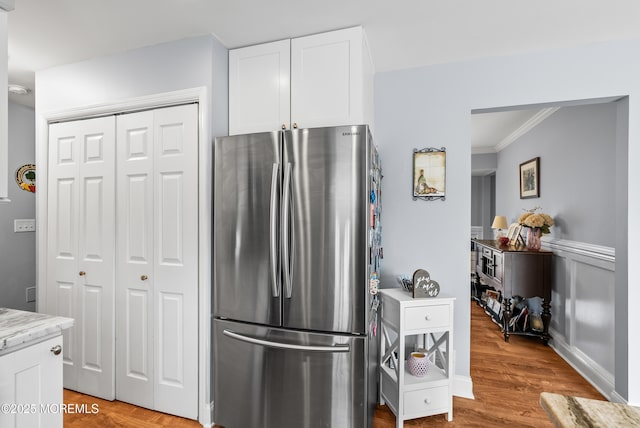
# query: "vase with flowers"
537 224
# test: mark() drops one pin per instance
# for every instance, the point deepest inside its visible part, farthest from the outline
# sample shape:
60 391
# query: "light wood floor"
507 379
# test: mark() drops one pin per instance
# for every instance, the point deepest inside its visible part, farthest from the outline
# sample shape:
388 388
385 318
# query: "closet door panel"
62 258
65 219
136 280
96 201
176 269
64 304
157 260
80 261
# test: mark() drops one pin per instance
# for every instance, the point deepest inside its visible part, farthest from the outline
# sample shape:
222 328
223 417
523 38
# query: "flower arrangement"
535 220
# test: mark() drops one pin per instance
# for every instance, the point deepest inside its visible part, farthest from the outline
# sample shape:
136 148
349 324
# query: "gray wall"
483 191
18 250
483 203
577 149
440 98
484 163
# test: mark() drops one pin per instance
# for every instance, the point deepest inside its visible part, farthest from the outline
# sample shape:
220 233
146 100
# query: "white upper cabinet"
259 87
319 80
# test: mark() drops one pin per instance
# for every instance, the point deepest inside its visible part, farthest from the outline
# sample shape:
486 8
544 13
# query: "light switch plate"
24 225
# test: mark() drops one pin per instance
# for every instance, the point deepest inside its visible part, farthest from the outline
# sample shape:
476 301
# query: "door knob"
295 125
144 277
284 126
56 350
82 273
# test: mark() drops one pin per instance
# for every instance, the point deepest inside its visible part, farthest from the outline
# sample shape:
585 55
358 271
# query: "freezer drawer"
269 377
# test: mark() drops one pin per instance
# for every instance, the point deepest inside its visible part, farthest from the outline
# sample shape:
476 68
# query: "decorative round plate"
26 177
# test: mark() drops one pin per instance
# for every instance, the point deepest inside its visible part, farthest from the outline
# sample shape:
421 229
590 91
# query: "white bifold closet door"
157 260
81 249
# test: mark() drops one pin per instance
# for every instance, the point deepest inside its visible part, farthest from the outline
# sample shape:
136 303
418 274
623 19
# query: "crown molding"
534 121
483 150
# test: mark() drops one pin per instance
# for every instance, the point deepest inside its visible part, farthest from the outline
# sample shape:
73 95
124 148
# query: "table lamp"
499 222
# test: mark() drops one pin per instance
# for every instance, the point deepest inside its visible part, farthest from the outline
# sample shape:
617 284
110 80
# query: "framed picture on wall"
530 179
429 173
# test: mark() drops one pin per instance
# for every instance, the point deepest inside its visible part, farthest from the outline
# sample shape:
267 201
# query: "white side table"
408 325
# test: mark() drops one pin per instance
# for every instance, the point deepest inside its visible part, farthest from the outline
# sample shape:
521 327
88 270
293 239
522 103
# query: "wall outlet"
24 225
31 294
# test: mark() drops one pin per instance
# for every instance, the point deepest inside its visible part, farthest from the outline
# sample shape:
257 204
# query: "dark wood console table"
516 271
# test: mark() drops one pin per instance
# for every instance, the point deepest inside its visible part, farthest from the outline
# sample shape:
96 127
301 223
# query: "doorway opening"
582 148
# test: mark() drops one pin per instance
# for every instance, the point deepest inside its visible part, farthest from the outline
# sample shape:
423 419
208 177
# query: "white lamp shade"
499 222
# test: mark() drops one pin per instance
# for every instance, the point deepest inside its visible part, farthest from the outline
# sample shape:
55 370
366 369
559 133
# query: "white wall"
183 64
439 100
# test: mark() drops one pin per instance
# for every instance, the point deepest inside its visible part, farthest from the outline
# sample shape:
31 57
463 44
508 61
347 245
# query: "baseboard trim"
463 387
617 398
602 380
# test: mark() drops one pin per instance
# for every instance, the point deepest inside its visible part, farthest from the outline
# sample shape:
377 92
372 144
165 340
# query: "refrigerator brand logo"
346 134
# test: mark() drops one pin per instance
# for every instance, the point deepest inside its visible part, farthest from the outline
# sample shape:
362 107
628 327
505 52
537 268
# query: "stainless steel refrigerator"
296 260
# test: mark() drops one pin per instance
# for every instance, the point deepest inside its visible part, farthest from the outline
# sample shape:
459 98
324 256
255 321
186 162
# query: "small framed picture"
530 179
429 173
514 233
495 295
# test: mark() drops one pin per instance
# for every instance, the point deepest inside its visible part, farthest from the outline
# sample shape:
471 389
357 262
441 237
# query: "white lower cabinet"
123 255
31 386
416 325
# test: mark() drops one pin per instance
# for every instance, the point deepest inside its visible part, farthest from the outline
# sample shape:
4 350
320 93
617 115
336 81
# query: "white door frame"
205 189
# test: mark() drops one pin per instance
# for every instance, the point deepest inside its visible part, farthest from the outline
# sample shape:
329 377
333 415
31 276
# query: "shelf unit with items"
424 325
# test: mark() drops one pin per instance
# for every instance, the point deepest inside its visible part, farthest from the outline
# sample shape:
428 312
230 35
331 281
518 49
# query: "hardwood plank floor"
507 378
116 414
507 381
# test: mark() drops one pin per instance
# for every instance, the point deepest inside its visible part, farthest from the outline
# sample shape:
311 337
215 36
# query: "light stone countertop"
575 412
20 327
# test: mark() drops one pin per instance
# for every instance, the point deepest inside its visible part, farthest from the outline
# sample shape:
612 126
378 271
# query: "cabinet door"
259 91
80 239
157 315
32 377
327 79
498 266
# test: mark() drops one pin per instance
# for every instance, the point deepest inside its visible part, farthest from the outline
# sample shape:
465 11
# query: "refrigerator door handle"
278 345
286 220
273 231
